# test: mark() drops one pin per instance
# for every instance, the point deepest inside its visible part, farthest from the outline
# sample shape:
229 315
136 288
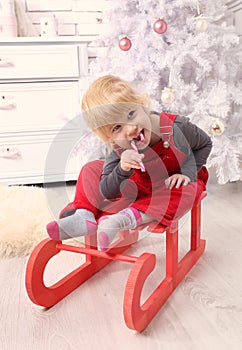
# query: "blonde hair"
107 99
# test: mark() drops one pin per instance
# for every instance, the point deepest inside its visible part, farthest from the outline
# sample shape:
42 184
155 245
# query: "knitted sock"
81 223
110 225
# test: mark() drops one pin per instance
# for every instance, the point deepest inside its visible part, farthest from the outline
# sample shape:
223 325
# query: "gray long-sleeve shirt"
188 138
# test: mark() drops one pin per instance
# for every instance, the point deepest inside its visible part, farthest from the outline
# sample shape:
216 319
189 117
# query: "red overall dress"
145 191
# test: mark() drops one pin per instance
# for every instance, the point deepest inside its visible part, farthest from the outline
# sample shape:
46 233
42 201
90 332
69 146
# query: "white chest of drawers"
41 84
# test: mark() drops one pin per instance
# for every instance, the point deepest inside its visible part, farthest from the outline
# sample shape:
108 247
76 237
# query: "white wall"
86 18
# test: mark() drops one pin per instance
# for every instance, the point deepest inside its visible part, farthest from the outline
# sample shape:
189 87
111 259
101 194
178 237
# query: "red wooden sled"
136 316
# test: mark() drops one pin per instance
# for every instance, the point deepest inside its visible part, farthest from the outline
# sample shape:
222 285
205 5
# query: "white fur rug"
24 214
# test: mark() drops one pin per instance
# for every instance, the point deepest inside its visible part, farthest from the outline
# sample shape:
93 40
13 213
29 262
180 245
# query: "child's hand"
177 180
130 159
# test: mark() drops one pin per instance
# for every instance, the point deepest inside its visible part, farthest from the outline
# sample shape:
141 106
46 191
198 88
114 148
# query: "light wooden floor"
204 312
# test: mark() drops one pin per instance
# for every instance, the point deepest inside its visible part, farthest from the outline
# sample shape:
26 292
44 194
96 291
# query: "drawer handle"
9 106
7 103
6 63
10 152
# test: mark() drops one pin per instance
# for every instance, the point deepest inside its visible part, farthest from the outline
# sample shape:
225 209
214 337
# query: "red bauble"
160 26
125 43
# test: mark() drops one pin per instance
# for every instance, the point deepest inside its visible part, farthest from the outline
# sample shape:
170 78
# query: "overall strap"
166 127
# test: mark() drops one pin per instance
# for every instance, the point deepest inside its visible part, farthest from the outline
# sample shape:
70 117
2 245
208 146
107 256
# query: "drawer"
30 160
38 106
39 61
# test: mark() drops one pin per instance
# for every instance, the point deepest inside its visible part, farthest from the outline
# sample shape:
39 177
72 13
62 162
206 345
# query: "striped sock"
110 225
81 223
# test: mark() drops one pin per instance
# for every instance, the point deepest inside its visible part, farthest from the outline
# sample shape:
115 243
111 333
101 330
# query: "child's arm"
112 177
194 142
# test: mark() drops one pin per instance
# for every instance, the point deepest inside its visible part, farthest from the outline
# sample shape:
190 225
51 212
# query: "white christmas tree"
186 51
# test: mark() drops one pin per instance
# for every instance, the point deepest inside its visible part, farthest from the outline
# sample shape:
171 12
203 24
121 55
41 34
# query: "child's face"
136 125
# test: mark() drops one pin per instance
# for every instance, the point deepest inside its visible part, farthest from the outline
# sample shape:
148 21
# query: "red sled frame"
136 316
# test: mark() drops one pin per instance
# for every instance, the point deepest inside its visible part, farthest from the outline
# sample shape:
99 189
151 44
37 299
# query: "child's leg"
90 201
165 205
85 206
87 194
110 225
81 223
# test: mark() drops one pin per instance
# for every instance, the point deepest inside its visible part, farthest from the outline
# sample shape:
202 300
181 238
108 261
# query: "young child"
154 170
